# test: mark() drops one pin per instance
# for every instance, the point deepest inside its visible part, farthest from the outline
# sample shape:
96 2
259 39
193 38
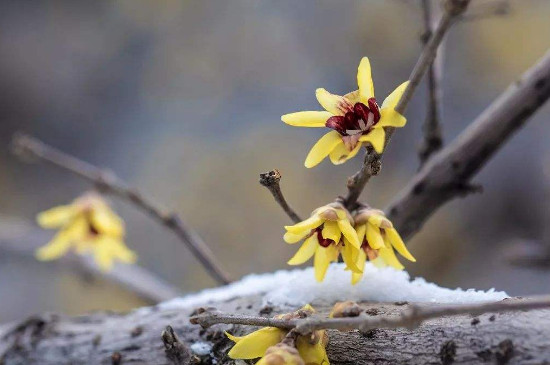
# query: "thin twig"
433 139
271 180
453 9
486 9
27 146
410 318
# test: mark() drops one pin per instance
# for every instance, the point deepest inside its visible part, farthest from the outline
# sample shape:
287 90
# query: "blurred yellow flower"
355 119
378 240
263 343
87 225
327 233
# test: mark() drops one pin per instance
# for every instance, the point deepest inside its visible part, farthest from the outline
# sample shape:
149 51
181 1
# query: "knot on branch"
24 147
270 178
175 350
456 7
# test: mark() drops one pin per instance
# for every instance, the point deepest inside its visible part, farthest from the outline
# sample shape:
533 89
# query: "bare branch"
410 318
449 171
107 182
453 9
486 9
271 180
433 139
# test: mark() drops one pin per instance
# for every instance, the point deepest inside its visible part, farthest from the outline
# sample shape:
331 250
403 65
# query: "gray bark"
135 338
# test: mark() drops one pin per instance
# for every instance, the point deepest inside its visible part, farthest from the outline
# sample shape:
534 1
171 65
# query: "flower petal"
387 254
391 118
307 119
349 232
305 251
311 354
353 97
305 226
349 254
376 137
374 237
256 343
334 104
397 243
106 221
392 99
360 263
322 148
321 262
56 217
331 231
291 238
56 248
364 80
361 229
340 154
233 338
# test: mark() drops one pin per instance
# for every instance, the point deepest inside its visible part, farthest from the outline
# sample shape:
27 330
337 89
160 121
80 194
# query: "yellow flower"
378 240
261 343
327 233
87 225
355 119
281 354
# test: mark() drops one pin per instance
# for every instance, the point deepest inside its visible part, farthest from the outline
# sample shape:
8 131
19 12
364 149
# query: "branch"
448 173
486 9
453 9
29 147
432 130
271 180
409 318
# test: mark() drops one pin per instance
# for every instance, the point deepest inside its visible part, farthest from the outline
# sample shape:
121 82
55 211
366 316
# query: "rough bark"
141 337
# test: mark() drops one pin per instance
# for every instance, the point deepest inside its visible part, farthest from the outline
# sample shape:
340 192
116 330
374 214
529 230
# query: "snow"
298 287
201 348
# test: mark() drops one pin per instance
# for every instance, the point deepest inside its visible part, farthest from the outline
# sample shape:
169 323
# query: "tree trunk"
135 338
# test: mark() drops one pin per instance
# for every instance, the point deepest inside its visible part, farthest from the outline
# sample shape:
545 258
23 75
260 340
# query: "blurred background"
183 100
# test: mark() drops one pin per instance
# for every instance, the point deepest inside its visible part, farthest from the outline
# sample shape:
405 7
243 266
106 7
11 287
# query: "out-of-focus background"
183 100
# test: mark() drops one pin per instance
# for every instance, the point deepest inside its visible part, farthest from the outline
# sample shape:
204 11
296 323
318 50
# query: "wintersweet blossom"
263 343
327 233
86 225
355 118
378 240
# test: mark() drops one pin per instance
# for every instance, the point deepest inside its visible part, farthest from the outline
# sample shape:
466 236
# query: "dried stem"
29 147
453 9
432 140
410 318
271 180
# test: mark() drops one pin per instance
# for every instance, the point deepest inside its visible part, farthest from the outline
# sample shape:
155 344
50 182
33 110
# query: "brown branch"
27 146
448 173
410 318
271 180
486 9
433 139
453 9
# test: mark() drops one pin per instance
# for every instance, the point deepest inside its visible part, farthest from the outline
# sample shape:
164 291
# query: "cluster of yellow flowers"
275 347
331 231
87 225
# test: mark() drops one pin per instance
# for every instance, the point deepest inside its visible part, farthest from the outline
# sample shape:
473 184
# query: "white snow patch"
201 348
298 287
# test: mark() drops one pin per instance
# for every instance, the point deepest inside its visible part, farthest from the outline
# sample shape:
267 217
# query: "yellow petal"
391 118
380 221
379 262
349 232
387 254
106 221
376 137
232 338
305 226
392 99
397 242
334 104
311 354
321 262
374 237
124 254
341 154
291 238
349 254
331 231
305 252
322 148
255 344
360 263
307 119
361 230
56 217
56 248
364 81
353 97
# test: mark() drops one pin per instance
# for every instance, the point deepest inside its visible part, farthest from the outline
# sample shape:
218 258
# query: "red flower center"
324 242
358 120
